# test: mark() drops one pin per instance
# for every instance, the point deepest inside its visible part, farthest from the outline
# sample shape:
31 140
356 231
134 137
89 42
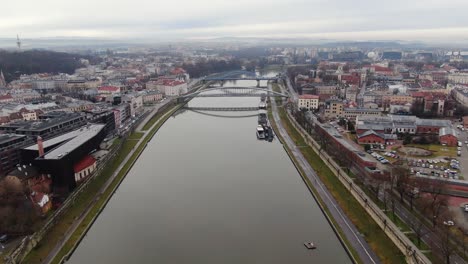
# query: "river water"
205 190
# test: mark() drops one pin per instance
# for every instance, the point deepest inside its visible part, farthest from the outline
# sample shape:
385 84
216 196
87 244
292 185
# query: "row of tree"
204 68
396 190
13 64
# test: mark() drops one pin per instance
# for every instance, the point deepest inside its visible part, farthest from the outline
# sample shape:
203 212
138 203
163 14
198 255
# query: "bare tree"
447 248
435 203
419 230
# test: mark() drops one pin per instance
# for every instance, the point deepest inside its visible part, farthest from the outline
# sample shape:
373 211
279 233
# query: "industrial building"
58 156
48 125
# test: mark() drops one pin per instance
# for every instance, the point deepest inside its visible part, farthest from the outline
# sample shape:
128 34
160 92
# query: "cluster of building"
52 127
384 129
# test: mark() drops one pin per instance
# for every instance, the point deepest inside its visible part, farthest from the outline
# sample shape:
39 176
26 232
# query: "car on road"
3 238
449 223
466 207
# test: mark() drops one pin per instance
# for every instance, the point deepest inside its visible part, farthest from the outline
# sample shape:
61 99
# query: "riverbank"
63 236
338 231
376 238
69 247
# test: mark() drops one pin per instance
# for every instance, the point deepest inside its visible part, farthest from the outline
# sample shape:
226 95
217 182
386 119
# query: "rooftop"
84 163
44 123
333 132
5 138
447 131
308 96
57 140
86 133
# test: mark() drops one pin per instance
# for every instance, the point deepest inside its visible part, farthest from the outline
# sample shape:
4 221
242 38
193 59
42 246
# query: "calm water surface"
205 190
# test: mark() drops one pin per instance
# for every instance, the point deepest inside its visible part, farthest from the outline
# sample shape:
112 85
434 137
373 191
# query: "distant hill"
14 64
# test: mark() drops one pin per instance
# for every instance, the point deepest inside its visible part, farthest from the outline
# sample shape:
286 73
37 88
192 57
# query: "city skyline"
430 21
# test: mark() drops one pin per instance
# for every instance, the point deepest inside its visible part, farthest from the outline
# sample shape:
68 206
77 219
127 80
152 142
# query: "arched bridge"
233 92
237 75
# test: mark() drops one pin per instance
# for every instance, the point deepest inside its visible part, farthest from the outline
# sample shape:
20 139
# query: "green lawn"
100 204
377 239
437 150
84 200
155 118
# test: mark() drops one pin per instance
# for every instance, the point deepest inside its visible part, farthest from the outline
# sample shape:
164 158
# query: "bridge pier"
258 83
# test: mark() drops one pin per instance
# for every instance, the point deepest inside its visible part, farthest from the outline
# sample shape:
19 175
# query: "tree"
367 147
419 230
16 213
407 138
435 203
445 244
401 180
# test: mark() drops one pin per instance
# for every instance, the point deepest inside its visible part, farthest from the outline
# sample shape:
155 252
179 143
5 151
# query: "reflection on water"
205 190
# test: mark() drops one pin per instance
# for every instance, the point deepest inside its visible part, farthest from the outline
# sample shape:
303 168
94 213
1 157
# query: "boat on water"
262 117
310 245
260 132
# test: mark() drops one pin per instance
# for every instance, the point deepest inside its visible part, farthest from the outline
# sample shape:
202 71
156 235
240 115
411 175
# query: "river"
205 190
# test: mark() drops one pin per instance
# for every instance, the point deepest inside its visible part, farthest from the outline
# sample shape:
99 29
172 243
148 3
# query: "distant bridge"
247 108
238 75
233 92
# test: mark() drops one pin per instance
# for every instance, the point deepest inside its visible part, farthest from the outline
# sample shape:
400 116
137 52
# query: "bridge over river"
206 190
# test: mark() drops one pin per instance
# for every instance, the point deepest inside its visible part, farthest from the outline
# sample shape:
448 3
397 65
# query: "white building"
308 101
152 96
458 78
135 101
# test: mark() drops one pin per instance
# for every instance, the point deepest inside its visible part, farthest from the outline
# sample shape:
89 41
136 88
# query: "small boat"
260 132
310 245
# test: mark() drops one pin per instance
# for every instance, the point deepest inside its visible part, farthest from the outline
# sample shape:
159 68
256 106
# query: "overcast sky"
444 20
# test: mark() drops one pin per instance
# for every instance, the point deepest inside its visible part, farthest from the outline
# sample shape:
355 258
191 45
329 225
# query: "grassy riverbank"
56 234
87 197
377 239
100 204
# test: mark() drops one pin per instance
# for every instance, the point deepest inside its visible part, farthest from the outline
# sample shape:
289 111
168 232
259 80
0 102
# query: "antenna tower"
18 42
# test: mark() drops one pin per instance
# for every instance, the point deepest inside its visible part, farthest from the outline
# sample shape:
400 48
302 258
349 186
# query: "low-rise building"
352 113
333 109
448 136
10 145
307 101
461 95
372 137
458 78
84 168
108 90
152 97
135 101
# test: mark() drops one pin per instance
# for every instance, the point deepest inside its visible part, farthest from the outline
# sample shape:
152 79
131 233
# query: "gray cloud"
363 19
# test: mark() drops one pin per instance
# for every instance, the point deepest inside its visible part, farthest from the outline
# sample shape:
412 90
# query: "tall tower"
2 79
18 42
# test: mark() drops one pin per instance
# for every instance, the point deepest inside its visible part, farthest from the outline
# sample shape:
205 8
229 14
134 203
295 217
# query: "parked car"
466 207
3 238
449 223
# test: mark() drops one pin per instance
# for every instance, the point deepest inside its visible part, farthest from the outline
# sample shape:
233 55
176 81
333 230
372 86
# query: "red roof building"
178 71
308 96
84 168
6 98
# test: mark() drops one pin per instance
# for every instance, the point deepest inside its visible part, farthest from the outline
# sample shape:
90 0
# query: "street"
350 231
